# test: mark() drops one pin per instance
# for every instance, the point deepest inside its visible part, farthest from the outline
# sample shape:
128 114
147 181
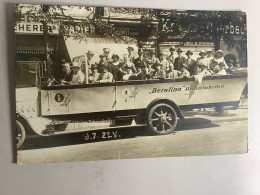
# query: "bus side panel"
44 102
125 97
59 102
189 92
95 99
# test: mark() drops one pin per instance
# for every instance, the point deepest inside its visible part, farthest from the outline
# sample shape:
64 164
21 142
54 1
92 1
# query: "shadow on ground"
37 142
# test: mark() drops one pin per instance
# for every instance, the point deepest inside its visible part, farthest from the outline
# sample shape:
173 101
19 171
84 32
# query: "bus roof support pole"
86 68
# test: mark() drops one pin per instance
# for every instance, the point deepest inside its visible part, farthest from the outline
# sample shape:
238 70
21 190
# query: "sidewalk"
233 115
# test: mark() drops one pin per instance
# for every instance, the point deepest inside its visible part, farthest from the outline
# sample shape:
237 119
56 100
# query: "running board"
51 132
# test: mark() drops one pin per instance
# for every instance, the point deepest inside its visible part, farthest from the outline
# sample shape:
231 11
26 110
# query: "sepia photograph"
107 83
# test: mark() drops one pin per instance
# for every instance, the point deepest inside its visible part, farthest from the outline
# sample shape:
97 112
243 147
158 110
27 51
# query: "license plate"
101 135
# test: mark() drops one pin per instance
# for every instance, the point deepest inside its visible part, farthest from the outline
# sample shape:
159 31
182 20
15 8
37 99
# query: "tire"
20 134
162 119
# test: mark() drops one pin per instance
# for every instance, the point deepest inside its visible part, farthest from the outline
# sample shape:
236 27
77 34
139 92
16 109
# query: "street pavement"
202 133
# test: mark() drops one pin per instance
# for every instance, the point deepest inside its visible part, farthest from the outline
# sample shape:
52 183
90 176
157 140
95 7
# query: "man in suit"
179 60
102 62
190 62
105 76
140 58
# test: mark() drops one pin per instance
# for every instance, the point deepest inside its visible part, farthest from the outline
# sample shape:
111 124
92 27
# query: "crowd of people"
143 67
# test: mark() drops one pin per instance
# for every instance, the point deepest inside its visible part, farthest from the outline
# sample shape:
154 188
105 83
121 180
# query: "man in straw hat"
78 76
170 57
179 60
88 63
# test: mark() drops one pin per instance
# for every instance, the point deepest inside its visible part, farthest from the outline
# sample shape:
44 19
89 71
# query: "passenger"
140 58
190 62
129 74
67 73
105 76
231 66
214 68
202 60
222 70
184 71
197 69
179 60
159 73
170 57
209 57
154 59
94 75
102 63
219 57
140 75
149 71
126 63
89 62
165 64
237 63
131 55
78 76
106 52
114 68
173 73
204 71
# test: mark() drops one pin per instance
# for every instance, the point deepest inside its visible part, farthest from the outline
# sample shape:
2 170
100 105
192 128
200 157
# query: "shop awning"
96 44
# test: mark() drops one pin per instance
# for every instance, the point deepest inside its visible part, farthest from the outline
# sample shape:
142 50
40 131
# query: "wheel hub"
163 118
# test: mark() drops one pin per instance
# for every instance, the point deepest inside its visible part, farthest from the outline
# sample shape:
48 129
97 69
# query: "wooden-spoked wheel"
20 134
162 119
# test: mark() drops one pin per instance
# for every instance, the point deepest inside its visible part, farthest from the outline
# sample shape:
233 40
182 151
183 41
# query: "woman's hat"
130 47
172 48
75 65
219 51
189 52
102 56
202 51
115 55
179 50
94 66
140 50
185 65
90 52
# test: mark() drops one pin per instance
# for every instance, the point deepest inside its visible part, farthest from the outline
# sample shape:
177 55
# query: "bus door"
125 97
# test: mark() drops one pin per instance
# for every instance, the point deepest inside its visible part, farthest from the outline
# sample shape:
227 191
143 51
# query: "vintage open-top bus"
157 103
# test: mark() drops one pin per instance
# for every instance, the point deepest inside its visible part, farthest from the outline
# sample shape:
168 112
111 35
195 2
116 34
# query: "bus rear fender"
167 101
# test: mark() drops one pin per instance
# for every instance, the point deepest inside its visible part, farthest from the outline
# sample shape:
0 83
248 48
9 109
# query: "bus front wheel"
20 134
162 119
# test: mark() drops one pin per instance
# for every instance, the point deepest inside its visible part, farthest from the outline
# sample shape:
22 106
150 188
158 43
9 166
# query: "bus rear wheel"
20 134
162 119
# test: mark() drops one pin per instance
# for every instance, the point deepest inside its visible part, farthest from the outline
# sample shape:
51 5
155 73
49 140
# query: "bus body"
157 103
